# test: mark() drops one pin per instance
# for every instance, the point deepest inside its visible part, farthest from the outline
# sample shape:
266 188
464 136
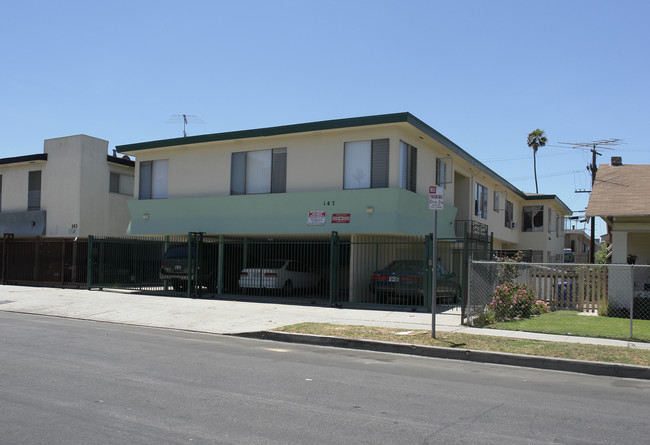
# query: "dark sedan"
402 282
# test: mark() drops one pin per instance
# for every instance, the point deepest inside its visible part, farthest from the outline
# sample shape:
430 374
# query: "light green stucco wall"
394 211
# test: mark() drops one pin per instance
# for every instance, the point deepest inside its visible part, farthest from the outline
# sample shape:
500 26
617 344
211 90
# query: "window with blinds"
366 164
408 163
260 171
153 182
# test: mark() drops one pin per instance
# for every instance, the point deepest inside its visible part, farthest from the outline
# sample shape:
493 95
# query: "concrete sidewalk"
235 317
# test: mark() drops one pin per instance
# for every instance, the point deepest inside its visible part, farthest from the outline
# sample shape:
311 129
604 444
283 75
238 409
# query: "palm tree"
536 139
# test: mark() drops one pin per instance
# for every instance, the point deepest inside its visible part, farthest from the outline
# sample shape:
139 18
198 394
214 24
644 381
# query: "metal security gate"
334 269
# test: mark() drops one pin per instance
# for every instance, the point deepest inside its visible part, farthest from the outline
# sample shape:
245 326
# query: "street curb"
498 358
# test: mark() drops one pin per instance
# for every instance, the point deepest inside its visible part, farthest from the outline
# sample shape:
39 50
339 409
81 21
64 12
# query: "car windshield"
176 252
406 265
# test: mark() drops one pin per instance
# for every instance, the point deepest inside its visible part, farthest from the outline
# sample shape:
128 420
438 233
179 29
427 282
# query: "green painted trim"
394 211
269 131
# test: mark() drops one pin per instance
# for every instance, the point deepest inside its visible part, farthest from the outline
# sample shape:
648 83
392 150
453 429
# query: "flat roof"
26 158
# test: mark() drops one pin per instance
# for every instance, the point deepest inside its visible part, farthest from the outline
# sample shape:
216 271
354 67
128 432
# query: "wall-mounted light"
145 216
370 210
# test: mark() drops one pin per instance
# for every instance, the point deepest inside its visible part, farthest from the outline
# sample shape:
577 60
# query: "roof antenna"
187 118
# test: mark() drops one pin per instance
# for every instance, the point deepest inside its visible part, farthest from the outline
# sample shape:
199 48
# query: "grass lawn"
615 354
571 323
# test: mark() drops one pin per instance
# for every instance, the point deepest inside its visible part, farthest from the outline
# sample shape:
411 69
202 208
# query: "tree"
536 139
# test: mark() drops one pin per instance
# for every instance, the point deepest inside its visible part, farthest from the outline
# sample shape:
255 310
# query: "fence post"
429 264
5 239
631 301
334 265
221 266
465 296
89 263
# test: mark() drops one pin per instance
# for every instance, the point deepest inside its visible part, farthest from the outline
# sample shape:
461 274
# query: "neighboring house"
579 243
358 176
73 188
617 197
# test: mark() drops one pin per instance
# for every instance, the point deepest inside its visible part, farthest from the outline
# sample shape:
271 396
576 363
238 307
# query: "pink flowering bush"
512 300
541 307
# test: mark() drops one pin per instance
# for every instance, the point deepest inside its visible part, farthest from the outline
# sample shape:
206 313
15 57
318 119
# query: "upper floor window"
408 163
261 171
34 191
480 201
444 171
366 164
532 219
122 184
154 179
510 213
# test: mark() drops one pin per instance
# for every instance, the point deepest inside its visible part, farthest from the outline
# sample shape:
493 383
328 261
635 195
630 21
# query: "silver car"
286 275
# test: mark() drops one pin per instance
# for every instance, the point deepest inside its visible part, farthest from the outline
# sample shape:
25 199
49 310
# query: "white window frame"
444 171
480 200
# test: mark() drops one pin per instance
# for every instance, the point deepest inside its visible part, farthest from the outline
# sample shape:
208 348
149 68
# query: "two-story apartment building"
74 188
360 176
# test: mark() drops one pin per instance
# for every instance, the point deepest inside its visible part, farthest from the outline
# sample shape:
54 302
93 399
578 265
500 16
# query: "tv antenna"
186 118
593 146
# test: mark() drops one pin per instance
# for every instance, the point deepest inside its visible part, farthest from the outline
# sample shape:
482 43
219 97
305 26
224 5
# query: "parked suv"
174 268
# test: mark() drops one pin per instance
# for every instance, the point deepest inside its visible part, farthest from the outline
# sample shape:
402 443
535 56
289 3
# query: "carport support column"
334 266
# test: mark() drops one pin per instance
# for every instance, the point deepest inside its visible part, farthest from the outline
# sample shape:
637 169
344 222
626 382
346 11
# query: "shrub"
541 307
512 300
484 318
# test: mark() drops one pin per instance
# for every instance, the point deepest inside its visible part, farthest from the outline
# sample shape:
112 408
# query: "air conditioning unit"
513 225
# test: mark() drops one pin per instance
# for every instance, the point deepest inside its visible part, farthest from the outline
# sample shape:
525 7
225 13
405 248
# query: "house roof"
618 191
393 118
22 159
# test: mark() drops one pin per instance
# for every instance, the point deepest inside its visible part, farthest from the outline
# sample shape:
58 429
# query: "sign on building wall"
340 218
316 218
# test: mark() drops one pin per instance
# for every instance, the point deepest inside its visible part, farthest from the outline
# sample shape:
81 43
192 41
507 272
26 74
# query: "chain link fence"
609 300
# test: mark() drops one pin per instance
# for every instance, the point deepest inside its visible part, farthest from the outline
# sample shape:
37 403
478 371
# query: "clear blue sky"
484 74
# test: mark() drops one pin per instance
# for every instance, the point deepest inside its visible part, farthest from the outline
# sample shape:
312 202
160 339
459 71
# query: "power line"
593 168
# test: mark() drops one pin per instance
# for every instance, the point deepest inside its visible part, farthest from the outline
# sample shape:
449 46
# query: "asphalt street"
66 381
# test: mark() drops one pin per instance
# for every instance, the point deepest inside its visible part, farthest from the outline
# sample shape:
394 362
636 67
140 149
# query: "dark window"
408 160
114 183
533 219
509 215
480 201
34 191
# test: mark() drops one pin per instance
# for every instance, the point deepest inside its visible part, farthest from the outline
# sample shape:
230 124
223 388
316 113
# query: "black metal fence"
348 269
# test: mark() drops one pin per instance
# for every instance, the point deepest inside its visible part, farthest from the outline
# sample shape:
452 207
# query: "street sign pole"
434 274
436 202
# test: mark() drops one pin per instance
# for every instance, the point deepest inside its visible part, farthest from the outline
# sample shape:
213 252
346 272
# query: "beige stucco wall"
315 162
15 179
74 188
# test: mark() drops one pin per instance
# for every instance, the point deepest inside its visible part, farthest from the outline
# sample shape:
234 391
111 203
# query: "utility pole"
593 168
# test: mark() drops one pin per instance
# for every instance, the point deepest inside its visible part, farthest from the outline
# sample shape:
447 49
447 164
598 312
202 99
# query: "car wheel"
287 289
179 286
